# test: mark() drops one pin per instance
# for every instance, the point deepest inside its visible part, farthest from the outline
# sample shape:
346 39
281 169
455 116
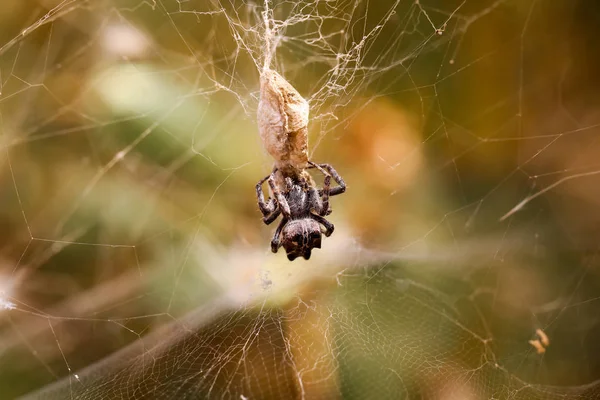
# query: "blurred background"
133 259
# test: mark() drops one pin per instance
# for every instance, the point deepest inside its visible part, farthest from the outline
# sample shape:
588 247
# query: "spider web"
134 263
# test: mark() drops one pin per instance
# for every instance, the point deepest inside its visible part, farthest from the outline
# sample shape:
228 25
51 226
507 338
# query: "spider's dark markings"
283 125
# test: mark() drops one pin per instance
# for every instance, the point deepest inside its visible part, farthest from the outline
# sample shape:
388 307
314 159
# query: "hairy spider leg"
275 241
283 204
269 206
326 193
328 225
324 209
327 169
321 207
270 218
270 209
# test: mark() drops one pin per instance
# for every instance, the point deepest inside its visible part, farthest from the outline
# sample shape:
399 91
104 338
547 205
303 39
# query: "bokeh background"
133 260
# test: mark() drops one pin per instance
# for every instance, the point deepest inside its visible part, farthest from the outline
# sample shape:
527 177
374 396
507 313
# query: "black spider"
303 208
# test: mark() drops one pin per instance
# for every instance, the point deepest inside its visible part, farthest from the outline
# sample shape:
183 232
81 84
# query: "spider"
303 207
282 118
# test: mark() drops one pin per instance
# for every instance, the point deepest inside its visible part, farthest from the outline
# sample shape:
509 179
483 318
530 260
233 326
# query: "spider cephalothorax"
303 208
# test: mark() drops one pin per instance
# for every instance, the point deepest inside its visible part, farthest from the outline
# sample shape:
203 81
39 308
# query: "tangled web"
464 264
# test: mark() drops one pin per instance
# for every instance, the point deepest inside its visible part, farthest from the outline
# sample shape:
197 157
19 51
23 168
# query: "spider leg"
283 204
326 193
266 207
272 217
327 169
321 207
275 241
328 225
